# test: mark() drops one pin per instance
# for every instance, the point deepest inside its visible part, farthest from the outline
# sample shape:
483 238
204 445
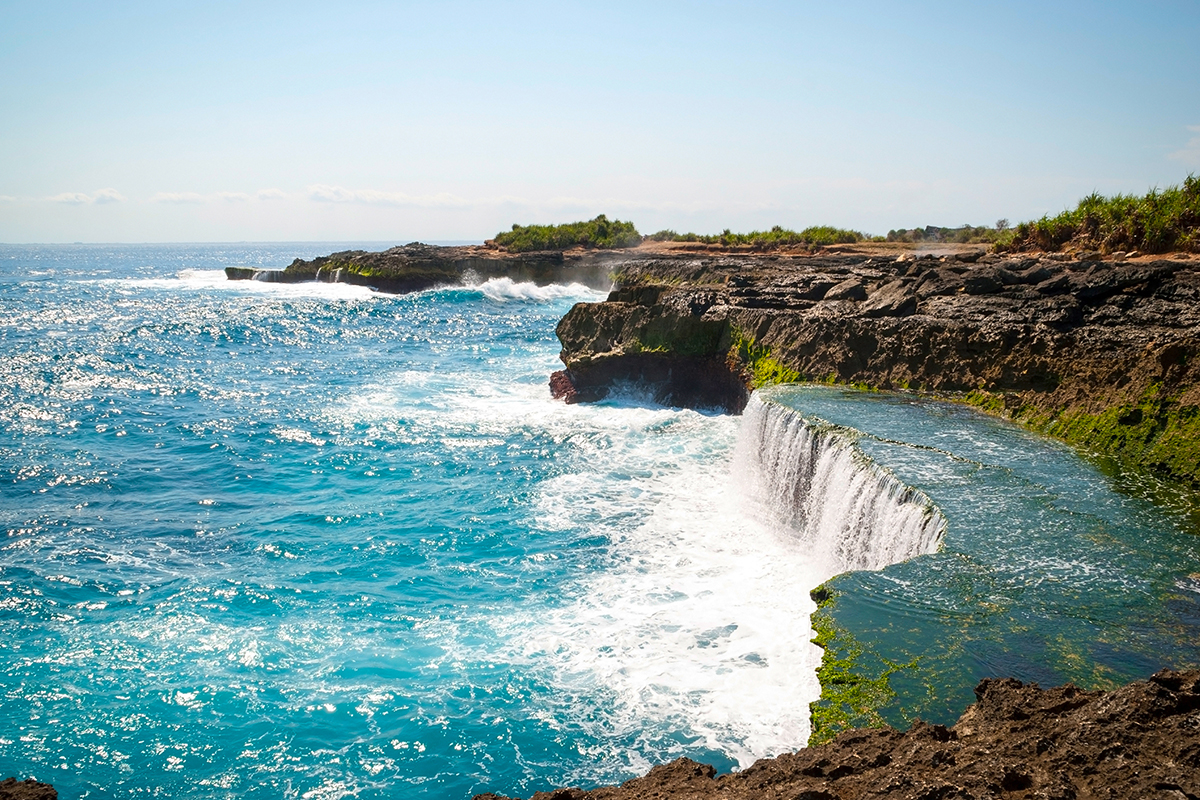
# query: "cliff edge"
1100 352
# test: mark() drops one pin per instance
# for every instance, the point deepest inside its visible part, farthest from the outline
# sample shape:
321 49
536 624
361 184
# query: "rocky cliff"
1016 741
1102 353
415 267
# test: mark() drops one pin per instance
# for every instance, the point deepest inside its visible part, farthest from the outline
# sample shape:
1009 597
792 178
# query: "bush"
600 232
1158 222
776 237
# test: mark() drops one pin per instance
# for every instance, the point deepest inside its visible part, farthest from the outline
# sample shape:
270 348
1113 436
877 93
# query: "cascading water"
810 477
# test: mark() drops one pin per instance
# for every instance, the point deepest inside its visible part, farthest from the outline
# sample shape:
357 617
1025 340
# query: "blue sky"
452 120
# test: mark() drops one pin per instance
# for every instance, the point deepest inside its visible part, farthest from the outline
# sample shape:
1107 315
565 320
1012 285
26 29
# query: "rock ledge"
1017 741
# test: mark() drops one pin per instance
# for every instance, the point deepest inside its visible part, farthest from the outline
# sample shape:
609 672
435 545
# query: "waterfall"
810 478
337 275
318 278
268 275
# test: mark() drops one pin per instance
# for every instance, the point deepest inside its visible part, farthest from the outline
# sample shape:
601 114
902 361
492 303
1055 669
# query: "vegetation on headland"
600 232
1158 222
814 236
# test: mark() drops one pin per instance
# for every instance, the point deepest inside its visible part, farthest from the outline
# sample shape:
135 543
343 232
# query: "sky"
437 121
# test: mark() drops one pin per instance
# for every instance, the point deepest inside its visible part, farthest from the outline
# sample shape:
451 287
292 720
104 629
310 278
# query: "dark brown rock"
29 789
561 387
1016 741
415 267
1049 340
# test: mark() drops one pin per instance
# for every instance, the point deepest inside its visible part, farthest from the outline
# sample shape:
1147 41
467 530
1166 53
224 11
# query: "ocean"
313 541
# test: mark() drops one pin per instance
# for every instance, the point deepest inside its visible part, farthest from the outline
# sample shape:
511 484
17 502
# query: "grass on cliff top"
817 235
600 232
1158 222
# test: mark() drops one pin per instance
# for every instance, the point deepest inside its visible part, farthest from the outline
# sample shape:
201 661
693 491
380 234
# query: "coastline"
1100 353
1016 740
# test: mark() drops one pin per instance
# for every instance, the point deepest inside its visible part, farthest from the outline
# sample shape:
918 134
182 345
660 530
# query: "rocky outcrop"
29 789
415 267
1016 741
1101 353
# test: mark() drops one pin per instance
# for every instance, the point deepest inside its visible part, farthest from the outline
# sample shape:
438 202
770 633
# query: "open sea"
263 540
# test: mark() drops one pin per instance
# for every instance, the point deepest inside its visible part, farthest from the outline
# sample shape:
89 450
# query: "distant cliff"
415 267
1101 353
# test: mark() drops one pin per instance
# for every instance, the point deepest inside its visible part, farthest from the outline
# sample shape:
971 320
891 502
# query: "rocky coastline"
1100 352
28 789
1016 741
1097 351
415 267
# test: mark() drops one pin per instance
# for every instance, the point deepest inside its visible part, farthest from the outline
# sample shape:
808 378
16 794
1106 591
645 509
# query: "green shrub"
816 235
600 232
1159 222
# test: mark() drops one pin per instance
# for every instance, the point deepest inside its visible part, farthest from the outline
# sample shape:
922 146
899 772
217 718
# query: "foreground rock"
1017 741
13 789
1101 353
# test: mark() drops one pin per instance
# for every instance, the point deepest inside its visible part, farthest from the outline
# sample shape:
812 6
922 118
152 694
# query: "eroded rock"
1016 741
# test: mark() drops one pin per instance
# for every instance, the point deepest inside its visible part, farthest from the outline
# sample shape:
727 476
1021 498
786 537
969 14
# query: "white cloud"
323 193
177 197
7 198
71 198
233 197
330 194
271 194
108 196
1190 154
100 196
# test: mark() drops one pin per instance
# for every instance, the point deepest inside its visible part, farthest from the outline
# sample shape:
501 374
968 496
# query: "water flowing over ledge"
810 477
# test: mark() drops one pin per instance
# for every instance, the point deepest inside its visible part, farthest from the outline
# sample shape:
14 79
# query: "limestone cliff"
1099 353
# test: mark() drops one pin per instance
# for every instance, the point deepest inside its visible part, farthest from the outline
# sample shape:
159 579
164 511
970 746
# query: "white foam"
503 290
215 279
696 623
811 479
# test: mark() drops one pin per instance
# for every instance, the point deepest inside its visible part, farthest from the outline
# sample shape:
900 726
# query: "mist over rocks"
1102 353
1017 740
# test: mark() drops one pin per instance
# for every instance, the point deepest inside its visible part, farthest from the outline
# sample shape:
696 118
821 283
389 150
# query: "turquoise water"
268 540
